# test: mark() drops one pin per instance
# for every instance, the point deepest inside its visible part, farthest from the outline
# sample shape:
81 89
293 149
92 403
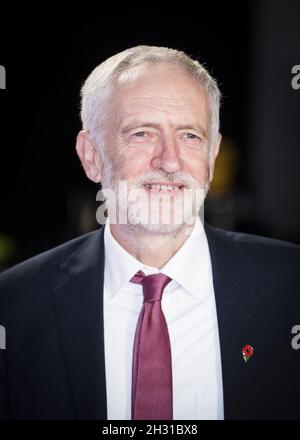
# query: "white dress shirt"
188 303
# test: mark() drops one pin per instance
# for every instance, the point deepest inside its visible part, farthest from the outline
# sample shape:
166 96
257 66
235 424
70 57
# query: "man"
84 337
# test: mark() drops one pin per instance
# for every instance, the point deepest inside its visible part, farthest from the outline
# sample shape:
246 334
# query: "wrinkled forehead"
165 80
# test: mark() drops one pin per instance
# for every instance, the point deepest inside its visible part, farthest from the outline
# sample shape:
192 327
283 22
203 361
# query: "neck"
150 249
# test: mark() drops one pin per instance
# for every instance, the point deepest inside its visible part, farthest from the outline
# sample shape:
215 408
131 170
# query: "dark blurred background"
250 48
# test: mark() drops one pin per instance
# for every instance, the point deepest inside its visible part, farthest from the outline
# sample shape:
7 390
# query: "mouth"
163 188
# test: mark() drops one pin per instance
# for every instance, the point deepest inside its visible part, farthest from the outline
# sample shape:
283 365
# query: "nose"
166 156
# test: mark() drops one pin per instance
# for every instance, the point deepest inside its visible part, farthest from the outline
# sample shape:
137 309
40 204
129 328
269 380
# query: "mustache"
184 178
112 174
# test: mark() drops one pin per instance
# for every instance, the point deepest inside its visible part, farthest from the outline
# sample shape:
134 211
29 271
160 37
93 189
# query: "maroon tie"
152 397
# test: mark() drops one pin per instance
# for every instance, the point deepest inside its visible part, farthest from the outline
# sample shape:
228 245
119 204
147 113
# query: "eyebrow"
140 123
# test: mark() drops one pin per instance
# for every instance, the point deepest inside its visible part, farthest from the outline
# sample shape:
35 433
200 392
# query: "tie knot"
153 285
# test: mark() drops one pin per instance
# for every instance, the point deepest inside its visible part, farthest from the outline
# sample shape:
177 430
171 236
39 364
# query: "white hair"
99 83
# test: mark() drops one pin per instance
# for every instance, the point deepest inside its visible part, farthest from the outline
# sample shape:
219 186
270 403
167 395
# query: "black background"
47 57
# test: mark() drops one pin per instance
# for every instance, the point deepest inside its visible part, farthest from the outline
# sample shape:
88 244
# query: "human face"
158 135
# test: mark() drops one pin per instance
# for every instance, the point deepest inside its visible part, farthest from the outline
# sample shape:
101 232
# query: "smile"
163 187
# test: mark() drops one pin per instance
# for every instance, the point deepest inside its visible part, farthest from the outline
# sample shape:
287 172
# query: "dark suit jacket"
52 308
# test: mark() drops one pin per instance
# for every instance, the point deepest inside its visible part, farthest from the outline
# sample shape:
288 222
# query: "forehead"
161 88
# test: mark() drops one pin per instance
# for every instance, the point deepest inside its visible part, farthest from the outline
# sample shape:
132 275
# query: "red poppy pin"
247 352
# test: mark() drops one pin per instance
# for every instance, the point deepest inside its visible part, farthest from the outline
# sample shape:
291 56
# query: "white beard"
141 212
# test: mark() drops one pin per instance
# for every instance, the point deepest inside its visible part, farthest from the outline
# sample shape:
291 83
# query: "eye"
191 139
192 136
143 136
140 134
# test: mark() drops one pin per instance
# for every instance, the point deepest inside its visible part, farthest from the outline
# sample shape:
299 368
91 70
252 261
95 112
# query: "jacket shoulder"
47 261
264 251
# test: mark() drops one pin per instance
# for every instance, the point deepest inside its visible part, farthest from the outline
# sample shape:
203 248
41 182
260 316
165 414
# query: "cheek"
134 164
197 167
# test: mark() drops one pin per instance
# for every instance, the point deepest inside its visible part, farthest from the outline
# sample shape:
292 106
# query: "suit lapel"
78 299
240 320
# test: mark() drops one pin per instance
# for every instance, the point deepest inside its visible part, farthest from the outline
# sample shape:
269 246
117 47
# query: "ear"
213 155
89 156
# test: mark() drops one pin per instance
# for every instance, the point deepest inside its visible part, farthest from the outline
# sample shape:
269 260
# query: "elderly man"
156 315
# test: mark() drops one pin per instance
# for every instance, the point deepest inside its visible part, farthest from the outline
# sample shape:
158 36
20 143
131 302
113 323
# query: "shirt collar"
189 267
